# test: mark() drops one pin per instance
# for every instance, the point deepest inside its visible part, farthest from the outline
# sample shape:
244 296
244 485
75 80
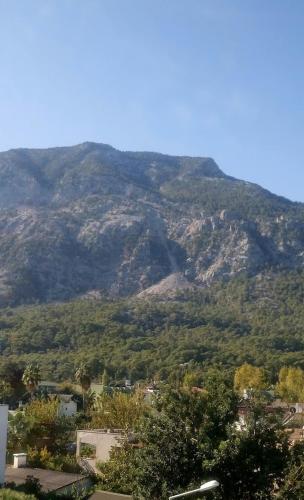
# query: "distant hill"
92 220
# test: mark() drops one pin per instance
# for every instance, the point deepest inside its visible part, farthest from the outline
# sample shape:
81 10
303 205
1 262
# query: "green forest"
258 321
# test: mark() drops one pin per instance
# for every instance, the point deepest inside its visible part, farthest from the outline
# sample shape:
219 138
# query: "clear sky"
220 78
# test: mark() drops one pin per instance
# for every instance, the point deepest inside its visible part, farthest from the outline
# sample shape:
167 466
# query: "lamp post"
204 487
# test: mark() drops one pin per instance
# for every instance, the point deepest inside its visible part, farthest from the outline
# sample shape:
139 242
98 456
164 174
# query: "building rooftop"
50 480
47 382
106 495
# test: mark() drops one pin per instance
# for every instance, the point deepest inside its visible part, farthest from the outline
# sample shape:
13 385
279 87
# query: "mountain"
92 220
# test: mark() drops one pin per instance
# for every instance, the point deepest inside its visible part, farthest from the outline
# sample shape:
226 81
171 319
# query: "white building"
102 440
67 407
3 440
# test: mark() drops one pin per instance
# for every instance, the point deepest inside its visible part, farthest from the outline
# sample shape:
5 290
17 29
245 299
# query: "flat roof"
50 480
107 495
101 431
47 382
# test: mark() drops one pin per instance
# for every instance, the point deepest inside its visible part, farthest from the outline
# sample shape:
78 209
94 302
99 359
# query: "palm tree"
83 377
31 377
105 379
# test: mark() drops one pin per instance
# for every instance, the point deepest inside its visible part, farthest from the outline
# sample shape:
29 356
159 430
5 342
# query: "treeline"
258 321
228 194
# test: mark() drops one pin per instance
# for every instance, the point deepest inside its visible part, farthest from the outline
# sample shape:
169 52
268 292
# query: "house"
291 416
67 407
295 435
48 387
101 441
100 388
277 407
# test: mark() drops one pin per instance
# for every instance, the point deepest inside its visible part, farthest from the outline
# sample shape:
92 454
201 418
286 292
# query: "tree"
249 377
105 378
31 377
191 437
293 484
117 474
83 377
39 426
291 384
180 436
192 379
293 488
251 463
6 391
12 373
169 459
118 410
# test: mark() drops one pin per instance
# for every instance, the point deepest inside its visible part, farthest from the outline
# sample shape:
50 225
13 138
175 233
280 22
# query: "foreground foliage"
190 437
40 425
184 436
44 435
7 494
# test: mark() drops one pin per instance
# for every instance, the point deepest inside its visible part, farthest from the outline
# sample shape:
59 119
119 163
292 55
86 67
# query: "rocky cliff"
90 219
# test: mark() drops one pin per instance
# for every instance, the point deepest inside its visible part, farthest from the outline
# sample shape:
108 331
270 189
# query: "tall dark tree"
83 377
181 436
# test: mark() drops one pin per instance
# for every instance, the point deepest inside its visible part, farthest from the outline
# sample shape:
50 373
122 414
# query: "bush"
45 460
7 494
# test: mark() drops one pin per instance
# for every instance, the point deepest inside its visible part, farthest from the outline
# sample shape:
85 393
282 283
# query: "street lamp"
204 487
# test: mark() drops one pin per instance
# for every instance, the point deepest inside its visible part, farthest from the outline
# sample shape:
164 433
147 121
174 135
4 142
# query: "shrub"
7 494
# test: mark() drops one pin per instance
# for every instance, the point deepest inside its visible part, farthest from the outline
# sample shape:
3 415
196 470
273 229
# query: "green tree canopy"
118 411
39 426
249 377
291 384
190 437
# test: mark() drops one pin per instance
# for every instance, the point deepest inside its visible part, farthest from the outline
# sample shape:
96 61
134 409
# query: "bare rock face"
93 220
167 287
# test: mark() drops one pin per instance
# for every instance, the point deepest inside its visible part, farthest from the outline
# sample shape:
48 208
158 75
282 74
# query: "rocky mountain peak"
91 217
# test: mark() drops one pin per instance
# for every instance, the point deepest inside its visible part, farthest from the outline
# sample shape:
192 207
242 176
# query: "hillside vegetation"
258 320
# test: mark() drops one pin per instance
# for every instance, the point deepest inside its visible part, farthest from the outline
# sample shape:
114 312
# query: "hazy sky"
198 77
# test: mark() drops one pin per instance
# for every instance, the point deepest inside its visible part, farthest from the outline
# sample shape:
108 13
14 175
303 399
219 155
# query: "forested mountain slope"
258 320
90 219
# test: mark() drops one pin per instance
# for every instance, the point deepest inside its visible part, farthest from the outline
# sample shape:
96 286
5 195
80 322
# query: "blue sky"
220 78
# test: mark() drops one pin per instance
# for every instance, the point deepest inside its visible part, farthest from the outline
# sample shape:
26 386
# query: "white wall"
3 440
67 409
104 442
